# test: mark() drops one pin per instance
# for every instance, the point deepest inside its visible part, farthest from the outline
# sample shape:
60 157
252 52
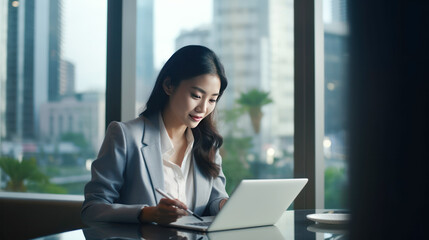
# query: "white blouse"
178 181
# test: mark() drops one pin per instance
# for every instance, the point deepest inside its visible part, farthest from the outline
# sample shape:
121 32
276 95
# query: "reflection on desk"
292 225
337 231
154 232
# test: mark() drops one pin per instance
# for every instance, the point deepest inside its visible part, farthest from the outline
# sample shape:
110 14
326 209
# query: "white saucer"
329 218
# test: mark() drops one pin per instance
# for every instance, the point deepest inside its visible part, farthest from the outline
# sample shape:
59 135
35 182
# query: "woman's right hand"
167 211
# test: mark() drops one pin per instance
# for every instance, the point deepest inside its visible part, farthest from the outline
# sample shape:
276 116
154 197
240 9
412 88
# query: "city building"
339 11
3 59
336 60
54 49
20 113
254 40
81 114
67 78
336 64
199 36
145 70
32 64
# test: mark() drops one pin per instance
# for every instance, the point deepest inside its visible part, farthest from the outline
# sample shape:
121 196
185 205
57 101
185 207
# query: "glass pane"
254 40
52 86
334 143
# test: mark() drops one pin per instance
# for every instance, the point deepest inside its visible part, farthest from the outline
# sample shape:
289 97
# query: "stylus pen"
172 198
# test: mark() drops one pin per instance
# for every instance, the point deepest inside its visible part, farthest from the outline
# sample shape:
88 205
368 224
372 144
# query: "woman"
173 146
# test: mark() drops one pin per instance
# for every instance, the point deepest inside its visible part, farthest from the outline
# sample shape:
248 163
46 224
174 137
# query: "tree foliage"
253 101
234 165
20 171
335 188
254 98
26 176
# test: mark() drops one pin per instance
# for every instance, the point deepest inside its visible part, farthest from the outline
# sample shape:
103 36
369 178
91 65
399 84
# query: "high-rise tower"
20 70
145 51
55 38
254 40
32 63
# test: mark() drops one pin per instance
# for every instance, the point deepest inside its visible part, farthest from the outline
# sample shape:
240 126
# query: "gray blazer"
129 168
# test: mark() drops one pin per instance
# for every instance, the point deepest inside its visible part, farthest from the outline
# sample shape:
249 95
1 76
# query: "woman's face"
192 100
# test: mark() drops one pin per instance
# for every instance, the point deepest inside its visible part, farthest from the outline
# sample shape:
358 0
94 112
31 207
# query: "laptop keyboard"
200 223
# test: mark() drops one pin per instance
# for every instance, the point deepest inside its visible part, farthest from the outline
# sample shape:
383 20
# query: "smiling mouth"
196 119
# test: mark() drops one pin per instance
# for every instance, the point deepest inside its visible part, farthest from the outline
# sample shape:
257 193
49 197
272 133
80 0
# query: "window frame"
309 102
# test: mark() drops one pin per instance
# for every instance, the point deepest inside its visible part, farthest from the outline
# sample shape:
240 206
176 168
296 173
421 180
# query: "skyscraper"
145 72
67 78
55 38
254 40
240 32
20 69
3 55
336 69
336 60
31 24
339 11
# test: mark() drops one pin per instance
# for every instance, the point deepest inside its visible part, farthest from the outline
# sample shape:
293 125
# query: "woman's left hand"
222 202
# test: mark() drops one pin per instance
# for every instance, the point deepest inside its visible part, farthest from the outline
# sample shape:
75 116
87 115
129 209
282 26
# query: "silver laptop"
253 203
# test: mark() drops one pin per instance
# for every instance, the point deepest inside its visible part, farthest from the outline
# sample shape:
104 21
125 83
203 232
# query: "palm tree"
253 101
19 172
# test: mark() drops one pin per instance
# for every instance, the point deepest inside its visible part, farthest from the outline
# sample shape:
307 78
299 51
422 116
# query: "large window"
254 40
334 143
52 86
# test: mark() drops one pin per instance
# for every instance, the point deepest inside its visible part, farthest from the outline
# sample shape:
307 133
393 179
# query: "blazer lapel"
151 152
202 189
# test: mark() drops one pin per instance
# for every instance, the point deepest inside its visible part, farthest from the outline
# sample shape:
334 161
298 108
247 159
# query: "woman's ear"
168 88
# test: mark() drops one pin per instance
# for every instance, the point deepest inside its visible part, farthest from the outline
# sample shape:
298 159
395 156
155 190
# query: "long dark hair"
185 63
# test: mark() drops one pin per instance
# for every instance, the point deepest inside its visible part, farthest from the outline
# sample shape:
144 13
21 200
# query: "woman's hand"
167 211
222 202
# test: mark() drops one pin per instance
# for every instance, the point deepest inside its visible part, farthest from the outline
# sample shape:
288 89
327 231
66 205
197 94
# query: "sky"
84 42
84 34
172 16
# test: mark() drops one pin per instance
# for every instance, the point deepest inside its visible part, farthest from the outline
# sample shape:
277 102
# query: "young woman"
173 146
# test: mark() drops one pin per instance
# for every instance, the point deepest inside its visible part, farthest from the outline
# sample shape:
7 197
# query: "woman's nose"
201 107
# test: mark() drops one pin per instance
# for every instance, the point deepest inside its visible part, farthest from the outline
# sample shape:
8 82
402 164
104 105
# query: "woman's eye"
195 96
213 100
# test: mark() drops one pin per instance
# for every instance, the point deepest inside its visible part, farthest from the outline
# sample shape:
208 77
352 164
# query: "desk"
292 225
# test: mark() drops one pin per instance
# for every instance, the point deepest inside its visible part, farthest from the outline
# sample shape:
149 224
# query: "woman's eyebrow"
202 91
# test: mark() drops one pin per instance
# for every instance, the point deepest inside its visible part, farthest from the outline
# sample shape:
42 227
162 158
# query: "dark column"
114 61
304 96
388 111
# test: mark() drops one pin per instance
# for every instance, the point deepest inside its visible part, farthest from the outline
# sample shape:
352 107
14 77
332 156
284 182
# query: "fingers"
173 206
173 202
169 210
167 217
222 202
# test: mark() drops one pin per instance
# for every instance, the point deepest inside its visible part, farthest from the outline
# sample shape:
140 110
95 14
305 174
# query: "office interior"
384 101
